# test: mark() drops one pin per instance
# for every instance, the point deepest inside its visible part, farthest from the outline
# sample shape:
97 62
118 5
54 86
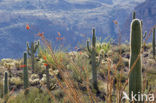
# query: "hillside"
73 20
74 74
145 11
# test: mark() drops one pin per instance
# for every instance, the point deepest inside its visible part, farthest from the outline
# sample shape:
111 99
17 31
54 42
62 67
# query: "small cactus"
94 63
6 84
31 52
135 81
153 43
25 72
134 15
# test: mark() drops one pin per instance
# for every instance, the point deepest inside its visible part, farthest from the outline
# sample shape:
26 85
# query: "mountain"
145 11
74 19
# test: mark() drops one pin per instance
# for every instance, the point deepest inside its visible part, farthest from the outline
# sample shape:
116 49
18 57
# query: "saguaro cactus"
6 84
135 81
25 72
134 15
94 63
31 52
153 43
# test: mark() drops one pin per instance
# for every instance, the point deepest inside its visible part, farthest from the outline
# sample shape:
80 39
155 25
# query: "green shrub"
34 96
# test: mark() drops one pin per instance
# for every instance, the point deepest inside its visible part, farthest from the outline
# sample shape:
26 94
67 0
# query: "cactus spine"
47 76
135 81
31 52
153 43
94 63
6 84
25 72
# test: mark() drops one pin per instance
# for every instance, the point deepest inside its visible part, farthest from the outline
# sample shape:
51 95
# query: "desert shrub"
78 63
60 57
34 96
16 80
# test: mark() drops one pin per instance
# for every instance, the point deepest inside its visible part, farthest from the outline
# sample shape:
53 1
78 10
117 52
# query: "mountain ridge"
73 22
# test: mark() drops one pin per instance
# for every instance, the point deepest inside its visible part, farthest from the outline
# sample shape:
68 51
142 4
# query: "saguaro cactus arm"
36 46
28 49
88 46
94 39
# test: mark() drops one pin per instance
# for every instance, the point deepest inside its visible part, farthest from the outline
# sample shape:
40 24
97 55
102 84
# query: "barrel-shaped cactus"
153 43
6 84
135 81
31 52
25 72
94 63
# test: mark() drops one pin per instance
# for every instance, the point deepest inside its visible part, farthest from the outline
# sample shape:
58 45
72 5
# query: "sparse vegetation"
99 73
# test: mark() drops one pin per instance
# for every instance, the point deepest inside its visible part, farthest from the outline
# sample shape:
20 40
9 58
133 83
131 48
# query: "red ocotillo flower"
57 38
115 22
59 34
45 64
22 66
44 57
80 52
27 27
40 34
62 38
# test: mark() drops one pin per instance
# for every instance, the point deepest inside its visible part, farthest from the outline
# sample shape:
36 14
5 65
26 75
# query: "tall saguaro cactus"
94 63
6 84
135 81
31 52
153 43
25 72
